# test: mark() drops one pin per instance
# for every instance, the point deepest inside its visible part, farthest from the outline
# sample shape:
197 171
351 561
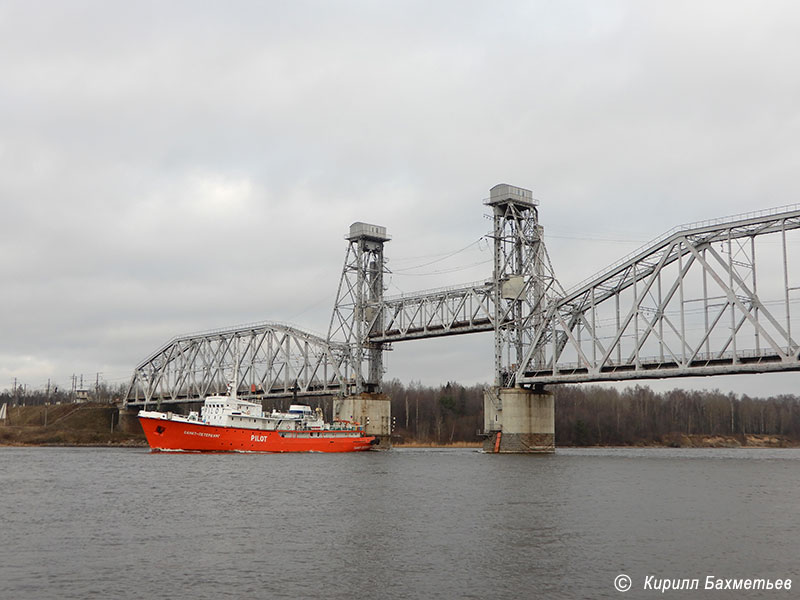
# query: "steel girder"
709 299
274 360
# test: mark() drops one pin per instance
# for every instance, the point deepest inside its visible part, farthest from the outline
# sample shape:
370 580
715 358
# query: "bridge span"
708 298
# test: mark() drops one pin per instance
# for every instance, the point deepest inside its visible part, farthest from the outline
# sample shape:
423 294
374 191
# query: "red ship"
228 424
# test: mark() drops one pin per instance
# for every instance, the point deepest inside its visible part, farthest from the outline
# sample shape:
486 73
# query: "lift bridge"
708 298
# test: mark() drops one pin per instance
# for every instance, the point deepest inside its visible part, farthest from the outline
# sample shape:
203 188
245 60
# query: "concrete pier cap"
519 421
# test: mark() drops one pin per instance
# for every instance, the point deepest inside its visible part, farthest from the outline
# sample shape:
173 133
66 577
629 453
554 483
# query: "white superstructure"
230 411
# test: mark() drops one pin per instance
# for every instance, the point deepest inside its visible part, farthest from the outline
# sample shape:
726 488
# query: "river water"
128 524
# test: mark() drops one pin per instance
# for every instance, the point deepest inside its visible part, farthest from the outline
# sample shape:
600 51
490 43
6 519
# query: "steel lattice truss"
273 360
523 280
704 300
357 313
435 313
511 303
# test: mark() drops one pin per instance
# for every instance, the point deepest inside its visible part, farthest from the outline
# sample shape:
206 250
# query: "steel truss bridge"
273 359
709 298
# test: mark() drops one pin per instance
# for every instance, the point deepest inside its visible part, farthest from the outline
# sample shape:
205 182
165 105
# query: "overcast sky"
169 167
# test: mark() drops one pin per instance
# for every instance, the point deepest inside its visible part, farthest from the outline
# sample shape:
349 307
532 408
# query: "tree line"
23 395
597 415
584 414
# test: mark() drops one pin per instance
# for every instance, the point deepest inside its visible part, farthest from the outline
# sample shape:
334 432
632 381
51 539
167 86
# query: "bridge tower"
357 315
516 419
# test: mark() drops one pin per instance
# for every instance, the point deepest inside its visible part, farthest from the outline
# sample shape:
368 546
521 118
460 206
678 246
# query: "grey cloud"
175 166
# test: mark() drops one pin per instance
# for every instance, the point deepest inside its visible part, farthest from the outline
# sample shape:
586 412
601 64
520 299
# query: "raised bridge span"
708 298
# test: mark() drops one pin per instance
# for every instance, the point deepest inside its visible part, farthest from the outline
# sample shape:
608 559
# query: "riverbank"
669 441
94 424
699 441
43 436
728 441
415 444
704 441
89 424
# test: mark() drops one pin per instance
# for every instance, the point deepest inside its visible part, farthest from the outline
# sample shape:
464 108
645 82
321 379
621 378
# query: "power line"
445 257
444 271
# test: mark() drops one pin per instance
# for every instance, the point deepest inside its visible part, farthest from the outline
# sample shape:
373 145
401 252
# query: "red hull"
164 434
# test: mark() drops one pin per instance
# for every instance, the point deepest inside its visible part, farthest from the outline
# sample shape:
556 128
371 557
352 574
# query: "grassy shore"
670 441
90 424
415 444
42 436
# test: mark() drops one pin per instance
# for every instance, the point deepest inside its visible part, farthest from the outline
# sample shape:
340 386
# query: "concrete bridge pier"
518 420
127 420
372 411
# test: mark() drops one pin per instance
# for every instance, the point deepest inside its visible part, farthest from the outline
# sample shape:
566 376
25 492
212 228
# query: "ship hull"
169 435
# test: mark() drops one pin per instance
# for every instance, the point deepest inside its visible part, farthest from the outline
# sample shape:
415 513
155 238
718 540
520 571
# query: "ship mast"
234 387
